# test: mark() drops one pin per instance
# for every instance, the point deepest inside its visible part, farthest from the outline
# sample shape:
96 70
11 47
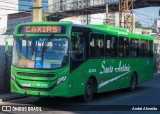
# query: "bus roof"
100 27
121 31
46 23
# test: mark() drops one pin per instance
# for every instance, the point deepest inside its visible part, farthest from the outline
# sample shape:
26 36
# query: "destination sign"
41 29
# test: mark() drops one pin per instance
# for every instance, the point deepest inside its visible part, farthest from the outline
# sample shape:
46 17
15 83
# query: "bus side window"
91 47
111 46
96 45
78 49
134 47
150 48
123 47
144 48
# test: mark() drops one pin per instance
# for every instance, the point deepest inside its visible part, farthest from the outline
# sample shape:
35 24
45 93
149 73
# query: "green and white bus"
65 59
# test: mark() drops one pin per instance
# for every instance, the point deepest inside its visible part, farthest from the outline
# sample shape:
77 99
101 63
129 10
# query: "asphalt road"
121 101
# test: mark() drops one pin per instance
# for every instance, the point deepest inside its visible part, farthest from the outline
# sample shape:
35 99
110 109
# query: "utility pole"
107 19
88 16
126 18
37 10
120 9
87 19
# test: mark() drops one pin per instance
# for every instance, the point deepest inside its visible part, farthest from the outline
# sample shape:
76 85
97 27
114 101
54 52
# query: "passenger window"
143 48
96 45
78 48
123 47
111 46
150 48
134 47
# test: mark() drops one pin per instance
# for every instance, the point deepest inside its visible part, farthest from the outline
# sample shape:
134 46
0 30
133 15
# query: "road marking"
129 96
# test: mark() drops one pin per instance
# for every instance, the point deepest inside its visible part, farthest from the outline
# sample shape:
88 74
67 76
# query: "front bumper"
56 90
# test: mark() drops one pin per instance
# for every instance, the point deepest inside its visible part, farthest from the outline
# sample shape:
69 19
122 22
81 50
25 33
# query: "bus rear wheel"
88 91
44 98
133 82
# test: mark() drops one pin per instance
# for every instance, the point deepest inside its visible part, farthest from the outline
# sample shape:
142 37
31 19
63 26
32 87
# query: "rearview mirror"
6 47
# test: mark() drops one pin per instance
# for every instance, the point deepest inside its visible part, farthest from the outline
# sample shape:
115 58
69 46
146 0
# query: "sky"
146 16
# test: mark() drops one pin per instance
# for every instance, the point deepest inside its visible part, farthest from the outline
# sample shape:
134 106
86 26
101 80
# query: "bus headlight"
13 77
60 80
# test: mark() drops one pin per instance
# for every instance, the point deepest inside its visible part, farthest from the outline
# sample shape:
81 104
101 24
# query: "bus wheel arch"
90 88
133 81
88 91
136 74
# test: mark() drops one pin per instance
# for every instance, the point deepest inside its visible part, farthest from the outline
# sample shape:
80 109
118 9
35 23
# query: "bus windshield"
47 53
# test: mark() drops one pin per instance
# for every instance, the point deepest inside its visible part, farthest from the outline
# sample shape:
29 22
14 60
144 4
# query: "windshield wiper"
31 46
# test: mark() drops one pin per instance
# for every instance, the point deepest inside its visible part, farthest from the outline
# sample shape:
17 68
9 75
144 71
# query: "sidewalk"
10 96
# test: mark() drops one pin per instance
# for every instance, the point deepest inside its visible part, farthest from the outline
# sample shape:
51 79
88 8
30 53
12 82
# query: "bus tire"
44 98
89 89
133 82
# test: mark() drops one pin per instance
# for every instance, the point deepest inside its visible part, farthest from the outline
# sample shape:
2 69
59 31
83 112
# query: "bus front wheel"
133 82
88 91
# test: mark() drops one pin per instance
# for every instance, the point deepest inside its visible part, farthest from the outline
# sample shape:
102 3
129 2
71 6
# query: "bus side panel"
80 76
76 81
146 71
120 76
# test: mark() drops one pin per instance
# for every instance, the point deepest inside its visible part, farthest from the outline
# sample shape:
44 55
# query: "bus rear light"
60 80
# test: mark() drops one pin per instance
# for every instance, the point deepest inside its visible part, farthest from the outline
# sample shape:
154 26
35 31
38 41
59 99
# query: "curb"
12 97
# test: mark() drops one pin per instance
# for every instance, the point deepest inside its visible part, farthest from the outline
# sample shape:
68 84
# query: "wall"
157 23
54 5
98 18
3 24
5 63
157 55
138 30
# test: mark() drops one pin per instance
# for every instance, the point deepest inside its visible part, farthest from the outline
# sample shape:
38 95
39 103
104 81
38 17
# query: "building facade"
15 6
26 5
157 25
7 7
64 5
17 18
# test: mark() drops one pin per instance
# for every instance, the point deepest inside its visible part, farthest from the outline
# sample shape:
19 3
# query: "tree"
138 25
44 16
154 30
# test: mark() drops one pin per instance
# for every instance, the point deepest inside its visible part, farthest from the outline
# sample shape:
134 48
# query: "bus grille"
36 89
35 74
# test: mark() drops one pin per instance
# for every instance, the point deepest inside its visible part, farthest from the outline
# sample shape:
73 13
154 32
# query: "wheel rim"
88 90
